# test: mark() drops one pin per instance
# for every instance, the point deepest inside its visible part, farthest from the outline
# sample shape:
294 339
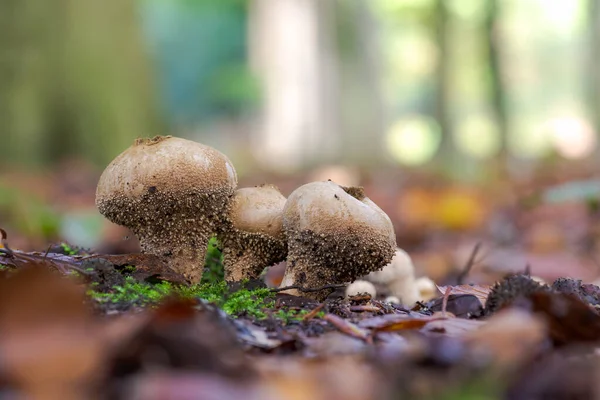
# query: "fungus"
426 288
255 239
335 235
173 194
399 277
361 287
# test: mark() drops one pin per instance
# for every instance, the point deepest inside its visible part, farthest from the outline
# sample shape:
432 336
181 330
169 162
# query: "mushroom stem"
306 270
246 265
184 254
245 255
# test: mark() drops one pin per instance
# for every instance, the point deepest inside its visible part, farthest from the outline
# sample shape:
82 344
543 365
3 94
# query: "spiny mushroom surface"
255 239
335 235
173 194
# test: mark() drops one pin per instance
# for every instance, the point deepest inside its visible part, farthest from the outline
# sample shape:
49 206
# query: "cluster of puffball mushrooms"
175 194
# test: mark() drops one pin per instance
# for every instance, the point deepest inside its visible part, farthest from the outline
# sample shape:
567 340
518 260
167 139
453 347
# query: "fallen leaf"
509 338
346 327
479 291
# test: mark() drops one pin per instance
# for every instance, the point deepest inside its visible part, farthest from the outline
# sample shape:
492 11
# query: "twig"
346 327
445 301
18 257
314 312
308 290
470 262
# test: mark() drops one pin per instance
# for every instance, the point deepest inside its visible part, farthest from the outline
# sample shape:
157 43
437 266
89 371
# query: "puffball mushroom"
256 239
335 235
399 277
426 288
173 194
360 287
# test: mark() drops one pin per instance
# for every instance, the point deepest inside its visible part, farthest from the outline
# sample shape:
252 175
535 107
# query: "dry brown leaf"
453 326
479 291
48 347
510 337
346 327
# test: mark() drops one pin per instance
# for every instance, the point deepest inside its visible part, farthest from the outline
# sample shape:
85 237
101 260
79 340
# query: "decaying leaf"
481 292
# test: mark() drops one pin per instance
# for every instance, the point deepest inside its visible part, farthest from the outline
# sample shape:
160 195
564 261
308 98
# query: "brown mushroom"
335 235
173 194
256 239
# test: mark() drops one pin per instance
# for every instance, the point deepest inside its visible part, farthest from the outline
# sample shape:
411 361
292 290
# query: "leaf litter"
516 339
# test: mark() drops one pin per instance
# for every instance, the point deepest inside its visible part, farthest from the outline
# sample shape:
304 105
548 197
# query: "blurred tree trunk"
496 86
443 84
291 52
592 75
74 80
362 111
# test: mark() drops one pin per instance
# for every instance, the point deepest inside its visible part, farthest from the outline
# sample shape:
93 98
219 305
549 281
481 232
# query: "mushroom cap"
426 287
173 194
258 210
336 230
401 267
162 165
406 290
360 286
326 207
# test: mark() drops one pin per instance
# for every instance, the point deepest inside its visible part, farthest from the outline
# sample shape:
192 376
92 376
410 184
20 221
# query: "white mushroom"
361 287
399 277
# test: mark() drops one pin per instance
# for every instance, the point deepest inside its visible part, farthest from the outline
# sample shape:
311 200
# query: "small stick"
314 312
346 327
308 290
445 301
365 307
470 262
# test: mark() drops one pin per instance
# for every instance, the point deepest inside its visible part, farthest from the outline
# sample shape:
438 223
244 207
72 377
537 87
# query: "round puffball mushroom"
360 287
255 239
399 277
335 235
426 288
173 194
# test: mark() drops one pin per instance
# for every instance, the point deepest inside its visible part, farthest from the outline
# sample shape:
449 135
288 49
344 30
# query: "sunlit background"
405 97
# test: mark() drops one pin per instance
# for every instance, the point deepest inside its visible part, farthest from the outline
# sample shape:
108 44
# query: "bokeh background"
466 120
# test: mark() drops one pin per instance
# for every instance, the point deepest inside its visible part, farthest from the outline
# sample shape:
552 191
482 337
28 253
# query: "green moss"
244 301
213 264
2 266
68 249
295 315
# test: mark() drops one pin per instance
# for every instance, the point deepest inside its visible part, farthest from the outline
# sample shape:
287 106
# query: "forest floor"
79 325
118 324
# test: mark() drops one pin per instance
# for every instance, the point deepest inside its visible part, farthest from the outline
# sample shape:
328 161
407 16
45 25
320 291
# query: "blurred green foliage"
74 80
27 214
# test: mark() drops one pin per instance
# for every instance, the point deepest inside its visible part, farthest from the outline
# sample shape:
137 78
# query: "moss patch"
241 302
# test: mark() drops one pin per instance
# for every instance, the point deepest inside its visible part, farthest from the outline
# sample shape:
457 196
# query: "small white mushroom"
427 289
399 277
361 287
335 235
392 299
173 194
